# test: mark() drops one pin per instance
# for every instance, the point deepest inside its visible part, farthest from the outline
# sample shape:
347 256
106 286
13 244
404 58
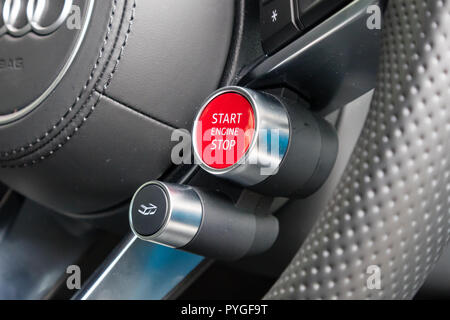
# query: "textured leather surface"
391 208
38 135
73 153
175 58
115 152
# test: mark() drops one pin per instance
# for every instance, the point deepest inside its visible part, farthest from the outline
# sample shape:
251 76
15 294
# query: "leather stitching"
93 91
86 85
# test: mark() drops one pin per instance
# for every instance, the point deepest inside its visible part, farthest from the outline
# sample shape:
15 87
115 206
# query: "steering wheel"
389 217
101 80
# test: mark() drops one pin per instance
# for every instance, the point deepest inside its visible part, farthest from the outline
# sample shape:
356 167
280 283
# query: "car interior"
224 150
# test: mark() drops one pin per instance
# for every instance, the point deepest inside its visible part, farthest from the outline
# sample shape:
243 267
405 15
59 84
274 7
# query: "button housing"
278 24
271 120
292 151
282 21
183 214
310 12
203 222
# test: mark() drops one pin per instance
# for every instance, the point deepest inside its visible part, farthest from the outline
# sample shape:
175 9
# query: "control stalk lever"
197 221
270 144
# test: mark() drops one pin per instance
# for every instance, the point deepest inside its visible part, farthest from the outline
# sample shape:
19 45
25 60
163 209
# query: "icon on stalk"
148 210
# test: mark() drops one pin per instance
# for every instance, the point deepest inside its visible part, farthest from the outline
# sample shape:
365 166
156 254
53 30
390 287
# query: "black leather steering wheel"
390 213
113 83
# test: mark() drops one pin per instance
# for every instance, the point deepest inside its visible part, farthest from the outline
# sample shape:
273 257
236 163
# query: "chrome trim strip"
108 269
4 119
138 270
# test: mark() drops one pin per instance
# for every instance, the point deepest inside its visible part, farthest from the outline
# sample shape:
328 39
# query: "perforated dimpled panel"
391 208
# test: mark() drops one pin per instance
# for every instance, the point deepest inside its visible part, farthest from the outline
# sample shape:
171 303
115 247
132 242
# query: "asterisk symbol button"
274 15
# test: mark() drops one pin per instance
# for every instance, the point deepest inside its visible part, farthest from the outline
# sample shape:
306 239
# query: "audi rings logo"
23 16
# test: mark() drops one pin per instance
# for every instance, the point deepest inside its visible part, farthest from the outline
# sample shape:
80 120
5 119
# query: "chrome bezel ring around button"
269 114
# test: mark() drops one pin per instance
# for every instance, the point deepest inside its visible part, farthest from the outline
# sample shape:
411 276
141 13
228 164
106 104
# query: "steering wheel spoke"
389 218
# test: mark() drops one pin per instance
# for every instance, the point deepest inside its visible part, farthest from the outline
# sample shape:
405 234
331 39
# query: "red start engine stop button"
224 130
